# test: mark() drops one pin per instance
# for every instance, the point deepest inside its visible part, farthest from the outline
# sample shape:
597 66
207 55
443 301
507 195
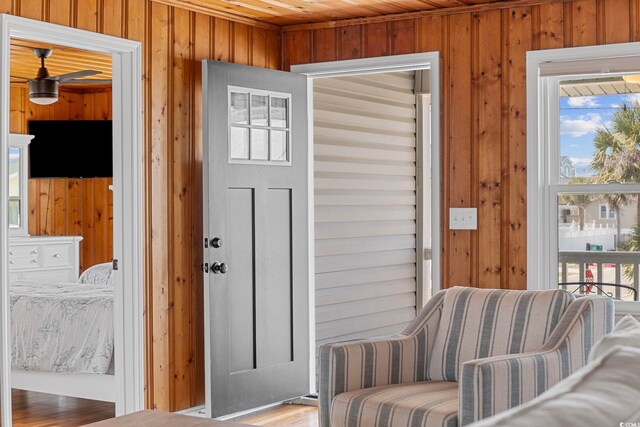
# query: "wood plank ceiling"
63 60
291 12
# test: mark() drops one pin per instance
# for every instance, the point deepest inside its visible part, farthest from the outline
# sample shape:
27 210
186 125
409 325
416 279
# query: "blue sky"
579 119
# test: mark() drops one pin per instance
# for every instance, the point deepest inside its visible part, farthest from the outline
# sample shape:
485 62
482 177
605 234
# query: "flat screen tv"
71 149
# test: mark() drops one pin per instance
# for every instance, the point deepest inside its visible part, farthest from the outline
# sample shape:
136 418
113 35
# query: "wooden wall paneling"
350 42
59 207
31 9
583 20
5 6
274 50
429 34
181 206
324 45
297 48
240 40
514 221
74 210
111 20
634 20
158 193
458 145
87 14
489 140
617 20
101 223
62 13
222 40
549 30
402 38
88 227
259 47
376 39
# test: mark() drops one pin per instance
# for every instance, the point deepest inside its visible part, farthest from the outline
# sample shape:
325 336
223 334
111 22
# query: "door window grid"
259 127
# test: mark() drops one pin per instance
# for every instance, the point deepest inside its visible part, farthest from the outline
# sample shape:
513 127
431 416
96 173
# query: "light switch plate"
463 218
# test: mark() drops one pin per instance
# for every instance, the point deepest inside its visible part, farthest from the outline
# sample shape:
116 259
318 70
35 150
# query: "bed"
63 335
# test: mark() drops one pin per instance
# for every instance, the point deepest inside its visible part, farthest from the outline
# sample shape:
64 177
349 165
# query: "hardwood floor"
32 409
283 416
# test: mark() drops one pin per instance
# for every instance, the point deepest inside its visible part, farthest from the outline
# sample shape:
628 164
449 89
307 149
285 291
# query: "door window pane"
259 111
259 144
239 108
259 127
279 112
279 149
239 143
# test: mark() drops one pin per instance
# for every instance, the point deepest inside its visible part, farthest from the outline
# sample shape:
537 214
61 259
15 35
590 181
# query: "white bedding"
61 327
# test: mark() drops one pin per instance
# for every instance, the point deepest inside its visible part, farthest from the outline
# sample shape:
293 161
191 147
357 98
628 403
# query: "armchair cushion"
492 385
626 332
425 404
606 392
480 323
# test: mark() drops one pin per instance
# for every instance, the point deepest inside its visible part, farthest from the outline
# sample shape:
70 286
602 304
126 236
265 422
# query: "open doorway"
375 193
71 124
61 233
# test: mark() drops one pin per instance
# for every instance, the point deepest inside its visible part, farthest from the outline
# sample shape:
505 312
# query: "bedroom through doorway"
61 234
71 260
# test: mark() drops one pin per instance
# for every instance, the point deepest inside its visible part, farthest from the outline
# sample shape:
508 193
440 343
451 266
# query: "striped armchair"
470 353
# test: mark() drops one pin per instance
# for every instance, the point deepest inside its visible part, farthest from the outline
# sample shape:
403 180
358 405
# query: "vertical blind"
365 205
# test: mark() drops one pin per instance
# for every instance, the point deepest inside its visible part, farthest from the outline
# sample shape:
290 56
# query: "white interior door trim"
386 64
127 201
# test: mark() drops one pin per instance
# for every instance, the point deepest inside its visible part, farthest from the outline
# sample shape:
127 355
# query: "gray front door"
256 223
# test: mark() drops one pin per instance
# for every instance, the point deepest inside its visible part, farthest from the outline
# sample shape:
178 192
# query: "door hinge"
115 264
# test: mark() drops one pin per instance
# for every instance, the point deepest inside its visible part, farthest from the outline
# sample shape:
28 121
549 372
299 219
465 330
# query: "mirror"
14 187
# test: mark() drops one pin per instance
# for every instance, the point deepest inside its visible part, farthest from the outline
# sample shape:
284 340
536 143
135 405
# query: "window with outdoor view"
597 189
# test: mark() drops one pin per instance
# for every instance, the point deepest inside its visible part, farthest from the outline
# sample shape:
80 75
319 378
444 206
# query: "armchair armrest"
495 384
356 365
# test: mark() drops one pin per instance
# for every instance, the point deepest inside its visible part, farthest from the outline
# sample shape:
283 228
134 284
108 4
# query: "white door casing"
410 62
127 210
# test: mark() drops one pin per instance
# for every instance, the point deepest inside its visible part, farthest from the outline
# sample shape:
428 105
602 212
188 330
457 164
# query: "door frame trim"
385 64
128 208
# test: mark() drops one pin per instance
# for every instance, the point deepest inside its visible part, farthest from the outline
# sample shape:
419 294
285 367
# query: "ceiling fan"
43 88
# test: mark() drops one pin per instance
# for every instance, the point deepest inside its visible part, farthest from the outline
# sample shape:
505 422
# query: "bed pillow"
605 392
99 274
625 333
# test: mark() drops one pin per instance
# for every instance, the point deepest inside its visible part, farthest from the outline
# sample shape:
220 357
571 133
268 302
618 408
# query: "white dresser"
50 258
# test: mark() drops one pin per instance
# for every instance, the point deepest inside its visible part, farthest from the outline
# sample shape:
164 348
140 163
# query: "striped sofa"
469 354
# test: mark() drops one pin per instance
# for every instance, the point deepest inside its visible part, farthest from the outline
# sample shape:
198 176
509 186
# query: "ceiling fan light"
43 92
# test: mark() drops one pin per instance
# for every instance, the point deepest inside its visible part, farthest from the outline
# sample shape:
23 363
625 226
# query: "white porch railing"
606 267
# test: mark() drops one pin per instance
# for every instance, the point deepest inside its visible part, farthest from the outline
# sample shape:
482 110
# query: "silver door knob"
219 268
216 242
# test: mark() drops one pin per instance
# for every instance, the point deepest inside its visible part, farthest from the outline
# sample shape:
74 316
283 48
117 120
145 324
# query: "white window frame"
543 158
